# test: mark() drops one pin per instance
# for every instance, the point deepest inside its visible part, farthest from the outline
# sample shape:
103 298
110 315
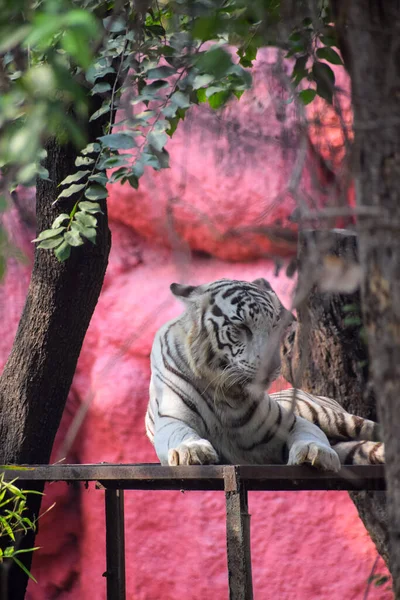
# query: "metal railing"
235 481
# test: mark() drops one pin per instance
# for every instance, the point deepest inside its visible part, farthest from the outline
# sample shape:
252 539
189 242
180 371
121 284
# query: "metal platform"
235 481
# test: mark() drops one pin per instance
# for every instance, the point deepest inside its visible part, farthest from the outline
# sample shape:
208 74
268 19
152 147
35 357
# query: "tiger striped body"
210 368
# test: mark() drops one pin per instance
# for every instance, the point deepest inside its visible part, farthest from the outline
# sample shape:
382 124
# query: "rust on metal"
209 477
236 481
238 536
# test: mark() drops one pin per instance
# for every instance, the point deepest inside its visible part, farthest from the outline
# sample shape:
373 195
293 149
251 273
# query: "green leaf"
352 321
59 220
206 28
202 81
180 100
114 25
160 72
63 251
324 77
85 219
96 192
23 567
138 169
133 182
90 207
329 40
351 307
99 69
201 95
322 71
248 53
115 161
84 19
170 110
89 233
120 174
100 88
49 233
45 26
91 149
100 178
300 69
105 108
330 55
71 190
8 552
219 99
157 140
42 173
214 89
84 161
173 124
25 550
307 96
27 174
216 62
51 243
76 45
8 530
381 580
150 160
118 141
150 91
75 177
73 238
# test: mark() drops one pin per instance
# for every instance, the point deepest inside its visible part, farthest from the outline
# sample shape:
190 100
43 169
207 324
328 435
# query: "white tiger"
210 369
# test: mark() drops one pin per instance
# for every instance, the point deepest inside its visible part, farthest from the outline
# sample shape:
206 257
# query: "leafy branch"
150 64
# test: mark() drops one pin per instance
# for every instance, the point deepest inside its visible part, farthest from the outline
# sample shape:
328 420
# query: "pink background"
227 186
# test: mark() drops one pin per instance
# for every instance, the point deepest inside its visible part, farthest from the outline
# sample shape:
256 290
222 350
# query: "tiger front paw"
319 455
198 452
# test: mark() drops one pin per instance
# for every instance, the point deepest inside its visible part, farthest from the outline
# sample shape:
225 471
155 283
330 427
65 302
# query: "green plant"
14 522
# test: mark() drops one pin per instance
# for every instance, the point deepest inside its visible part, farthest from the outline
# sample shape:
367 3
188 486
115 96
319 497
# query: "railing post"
115 544
237 536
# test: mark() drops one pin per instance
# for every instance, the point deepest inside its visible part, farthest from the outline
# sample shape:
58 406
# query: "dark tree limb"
38 374
369 39
329 357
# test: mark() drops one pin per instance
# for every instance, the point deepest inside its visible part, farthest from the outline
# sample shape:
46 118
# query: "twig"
370 578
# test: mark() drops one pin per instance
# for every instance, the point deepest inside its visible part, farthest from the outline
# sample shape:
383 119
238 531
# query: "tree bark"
328 357
61 299
369 37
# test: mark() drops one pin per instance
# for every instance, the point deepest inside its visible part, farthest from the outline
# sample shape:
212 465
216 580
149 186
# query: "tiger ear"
184 293
263 284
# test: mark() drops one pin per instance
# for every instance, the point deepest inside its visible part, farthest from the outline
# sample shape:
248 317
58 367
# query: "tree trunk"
369 37
59 305
329 358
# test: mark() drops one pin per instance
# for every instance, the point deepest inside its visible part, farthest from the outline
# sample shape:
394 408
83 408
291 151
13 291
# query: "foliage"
154 60
14 521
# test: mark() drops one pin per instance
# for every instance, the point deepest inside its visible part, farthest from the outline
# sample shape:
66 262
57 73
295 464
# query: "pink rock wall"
224 199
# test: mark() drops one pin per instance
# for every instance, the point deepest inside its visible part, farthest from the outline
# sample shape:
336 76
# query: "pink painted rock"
232 186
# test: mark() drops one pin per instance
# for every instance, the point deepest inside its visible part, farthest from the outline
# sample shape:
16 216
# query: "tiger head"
232 333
